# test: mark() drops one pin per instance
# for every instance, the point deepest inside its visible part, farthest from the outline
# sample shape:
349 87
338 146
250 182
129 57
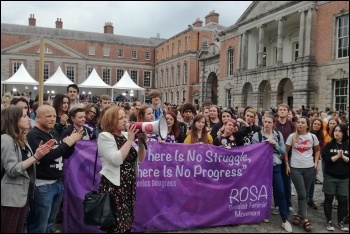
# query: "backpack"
274 132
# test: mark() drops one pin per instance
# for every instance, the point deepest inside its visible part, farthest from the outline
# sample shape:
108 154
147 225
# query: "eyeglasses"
91 112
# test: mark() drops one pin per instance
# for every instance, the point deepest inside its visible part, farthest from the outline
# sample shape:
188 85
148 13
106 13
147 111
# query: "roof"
78 35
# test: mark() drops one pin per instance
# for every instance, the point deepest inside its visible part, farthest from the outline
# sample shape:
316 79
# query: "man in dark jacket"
48 191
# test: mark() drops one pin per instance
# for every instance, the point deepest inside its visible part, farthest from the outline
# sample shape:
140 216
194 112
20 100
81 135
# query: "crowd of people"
35 140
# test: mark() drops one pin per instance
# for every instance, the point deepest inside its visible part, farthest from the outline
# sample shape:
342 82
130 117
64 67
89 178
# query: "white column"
301 35
261 44
280 37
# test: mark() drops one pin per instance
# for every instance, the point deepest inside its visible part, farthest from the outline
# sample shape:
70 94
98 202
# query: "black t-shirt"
50 167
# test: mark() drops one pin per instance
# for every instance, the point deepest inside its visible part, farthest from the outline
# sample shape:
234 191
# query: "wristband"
141 145
35 158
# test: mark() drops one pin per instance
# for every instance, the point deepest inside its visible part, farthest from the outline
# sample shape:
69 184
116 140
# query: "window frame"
133 54
120 53
147 55
147 78
185 70
337 38
119 74
230 61
73 67
106 52
132 74
343 96
92 50
106 75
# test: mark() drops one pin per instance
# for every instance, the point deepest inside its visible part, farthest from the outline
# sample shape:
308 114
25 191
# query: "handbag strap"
93 180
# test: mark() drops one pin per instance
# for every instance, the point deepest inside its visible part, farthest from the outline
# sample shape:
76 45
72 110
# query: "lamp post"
35 88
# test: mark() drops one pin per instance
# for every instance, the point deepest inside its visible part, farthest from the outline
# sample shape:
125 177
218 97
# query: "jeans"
302 179
278 192
312 190
287 184
44 207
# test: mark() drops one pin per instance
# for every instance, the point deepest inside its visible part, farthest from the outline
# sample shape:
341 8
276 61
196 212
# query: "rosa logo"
149 128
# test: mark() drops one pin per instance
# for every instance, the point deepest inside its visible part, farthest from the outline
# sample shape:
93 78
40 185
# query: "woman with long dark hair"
174 134
18 168
61 105
336 176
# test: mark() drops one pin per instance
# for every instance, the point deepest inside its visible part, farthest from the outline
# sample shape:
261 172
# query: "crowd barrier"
180 186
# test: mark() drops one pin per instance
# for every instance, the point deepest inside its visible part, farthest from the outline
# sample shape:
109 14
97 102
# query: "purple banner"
181 186
195 186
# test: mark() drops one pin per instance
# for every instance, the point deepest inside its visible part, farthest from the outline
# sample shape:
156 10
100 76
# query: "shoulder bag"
99 209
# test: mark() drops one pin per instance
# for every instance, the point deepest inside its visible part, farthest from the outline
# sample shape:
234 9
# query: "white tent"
58 79
21 77
94 81
126 83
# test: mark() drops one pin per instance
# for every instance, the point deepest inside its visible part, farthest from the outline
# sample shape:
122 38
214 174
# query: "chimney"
59 23
212 17
158 35
198 23
32 20
108 28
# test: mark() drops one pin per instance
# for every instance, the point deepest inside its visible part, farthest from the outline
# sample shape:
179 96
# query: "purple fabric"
181 186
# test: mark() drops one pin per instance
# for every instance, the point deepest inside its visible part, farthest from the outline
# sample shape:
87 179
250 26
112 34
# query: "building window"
340 94
274 57
106 52
343 36
295 51
177 98
172 76
15 66
70 72
185 74
148 55
162 53
157 55
184 95
205 42
46 71
264 58
134 54
133 75
228 98
167 51
166 76
147 79
166 96
178 74
120 53
172 49
106 75
230 62
46 51
89 70
186 43
171 97
179 47
161 78
91 50
120 73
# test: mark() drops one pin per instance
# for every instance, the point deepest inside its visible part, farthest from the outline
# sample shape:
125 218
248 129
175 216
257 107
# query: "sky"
133 18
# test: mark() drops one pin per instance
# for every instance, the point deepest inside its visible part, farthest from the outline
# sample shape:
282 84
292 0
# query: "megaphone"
159 127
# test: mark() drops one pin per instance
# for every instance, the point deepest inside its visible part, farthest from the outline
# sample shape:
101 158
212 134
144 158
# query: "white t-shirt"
302 150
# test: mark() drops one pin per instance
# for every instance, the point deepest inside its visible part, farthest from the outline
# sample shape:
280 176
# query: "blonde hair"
296 133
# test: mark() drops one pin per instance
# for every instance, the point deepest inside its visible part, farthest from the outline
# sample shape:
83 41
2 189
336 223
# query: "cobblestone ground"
317 219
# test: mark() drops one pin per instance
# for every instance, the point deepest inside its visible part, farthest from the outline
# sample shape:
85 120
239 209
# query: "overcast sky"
139 19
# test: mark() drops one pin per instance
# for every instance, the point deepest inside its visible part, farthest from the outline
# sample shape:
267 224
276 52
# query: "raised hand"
44 149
